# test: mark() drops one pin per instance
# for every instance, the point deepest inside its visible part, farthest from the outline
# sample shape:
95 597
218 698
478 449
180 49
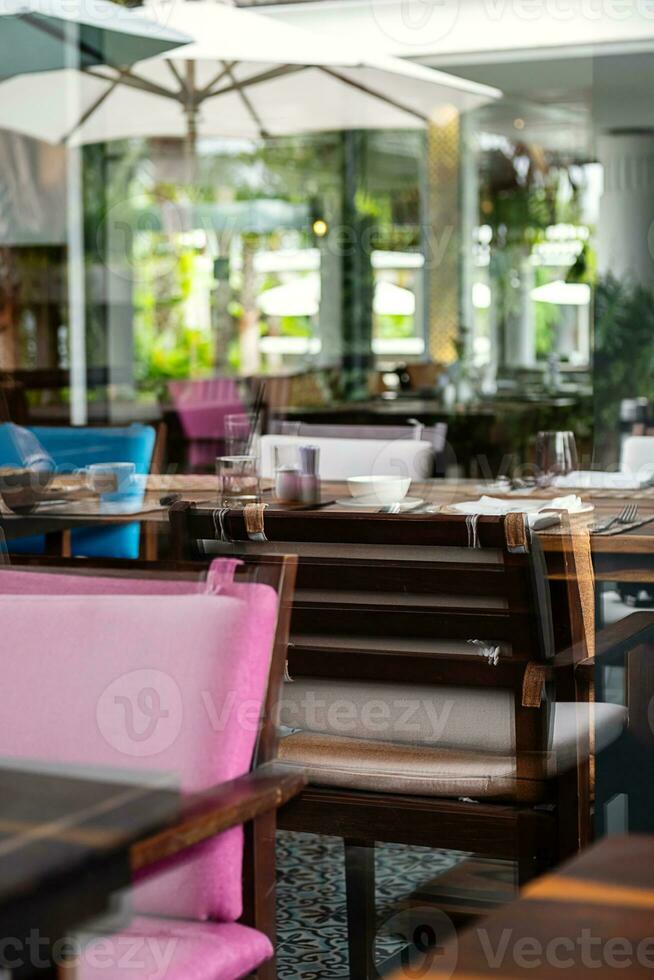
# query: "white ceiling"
568 71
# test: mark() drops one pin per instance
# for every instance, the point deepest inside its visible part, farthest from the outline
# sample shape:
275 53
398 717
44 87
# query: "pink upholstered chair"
162 676
202 406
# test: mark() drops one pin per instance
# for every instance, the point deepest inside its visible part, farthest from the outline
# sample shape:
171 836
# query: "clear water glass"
240 434
238 480
555 455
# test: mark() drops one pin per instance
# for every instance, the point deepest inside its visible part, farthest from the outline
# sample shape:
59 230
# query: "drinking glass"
556 455
240 434
238 480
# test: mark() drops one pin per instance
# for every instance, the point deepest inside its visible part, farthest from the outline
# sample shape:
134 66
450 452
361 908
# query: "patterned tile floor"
312 931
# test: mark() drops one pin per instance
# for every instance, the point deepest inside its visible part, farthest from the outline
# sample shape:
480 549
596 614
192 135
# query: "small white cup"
111 480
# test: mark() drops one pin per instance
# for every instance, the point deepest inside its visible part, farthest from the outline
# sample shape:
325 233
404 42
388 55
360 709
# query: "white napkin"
540 513
494 505
603 480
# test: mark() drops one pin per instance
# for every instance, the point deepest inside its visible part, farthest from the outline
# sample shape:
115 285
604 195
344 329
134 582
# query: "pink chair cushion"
163 950
16 582
93 676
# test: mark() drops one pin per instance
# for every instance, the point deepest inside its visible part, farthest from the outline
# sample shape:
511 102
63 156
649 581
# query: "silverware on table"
397 508
628 515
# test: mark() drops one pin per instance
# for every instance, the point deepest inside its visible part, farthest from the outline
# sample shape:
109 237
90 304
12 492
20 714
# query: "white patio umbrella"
245 75
43 37
37 36
302 298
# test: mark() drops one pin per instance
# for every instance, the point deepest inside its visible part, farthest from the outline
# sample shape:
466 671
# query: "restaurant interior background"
497 265
493 270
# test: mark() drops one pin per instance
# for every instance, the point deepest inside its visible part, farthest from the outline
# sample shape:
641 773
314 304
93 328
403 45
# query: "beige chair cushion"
467 749
448 717
395 768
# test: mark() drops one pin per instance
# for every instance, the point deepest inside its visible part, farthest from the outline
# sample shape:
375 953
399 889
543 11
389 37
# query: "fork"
628 515
396 508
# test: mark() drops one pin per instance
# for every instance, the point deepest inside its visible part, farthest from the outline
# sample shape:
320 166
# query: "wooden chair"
438 609
250 799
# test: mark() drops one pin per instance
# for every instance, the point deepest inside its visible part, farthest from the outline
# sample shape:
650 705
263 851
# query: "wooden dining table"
590 918
626 554
65 843
71 837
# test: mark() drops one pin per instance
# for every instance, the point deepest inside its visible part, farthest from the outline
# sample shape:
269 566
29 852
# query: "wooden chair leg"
259 909
536 852
361 920
149 550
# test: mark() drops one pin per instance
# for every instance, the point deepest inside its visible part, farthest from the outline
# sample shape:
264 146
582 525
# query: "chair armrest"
620 637
611 642
206 814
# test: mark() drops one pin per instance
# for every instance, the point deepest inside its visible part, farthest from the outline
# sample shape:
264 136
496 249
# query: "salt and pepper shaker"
287 483
309 481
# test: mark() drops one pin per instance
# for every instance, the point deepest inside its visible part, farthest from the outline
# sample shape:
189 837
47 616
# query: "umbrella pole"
75 240
191 109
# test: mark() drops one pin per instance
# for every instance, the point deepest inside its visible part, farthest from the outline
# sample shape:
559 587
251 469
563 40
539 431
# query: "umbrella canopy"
245 75
302 298
35 38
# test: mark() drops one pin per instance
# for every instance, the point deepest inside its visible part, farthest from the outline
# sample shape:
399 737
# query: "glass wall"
504 253
233 261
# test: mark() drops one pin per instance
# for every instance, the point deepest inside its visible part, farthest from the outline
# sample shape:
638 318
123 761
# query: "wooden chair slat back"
400 600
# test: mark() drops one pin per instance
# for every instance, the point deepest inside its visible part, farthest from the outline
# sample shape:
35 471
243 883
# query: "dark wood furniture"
628 644
626 557
253 799
68 843
65 845
590 918
374 593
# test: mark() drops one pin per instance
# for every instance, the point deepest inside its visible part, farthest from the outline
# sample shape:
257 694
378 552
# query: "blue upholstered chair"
68 449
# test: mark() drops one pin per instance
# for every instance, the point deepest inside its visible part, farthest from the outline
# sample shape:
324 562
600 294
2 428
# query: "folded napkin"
495 505
539 512
603 480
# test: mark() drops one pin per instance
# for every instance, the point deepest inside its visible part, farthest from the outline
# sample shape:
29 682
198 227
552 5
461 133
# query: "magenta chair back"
202 406
109 672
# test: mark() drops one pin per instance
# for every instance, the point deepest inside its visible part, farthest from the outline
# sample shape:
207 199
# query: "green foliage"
166 346
391 326
545 318
624 351
162 358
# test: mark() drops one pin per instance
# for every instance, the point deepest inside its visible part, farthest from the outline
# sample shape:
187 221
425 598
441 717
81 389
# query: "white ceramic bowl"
383 490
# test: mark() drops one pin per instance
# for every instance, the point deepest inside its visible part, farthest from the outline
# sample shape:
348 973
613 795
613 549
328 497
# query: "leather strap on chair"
221 572
532 685
516 533
254 527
